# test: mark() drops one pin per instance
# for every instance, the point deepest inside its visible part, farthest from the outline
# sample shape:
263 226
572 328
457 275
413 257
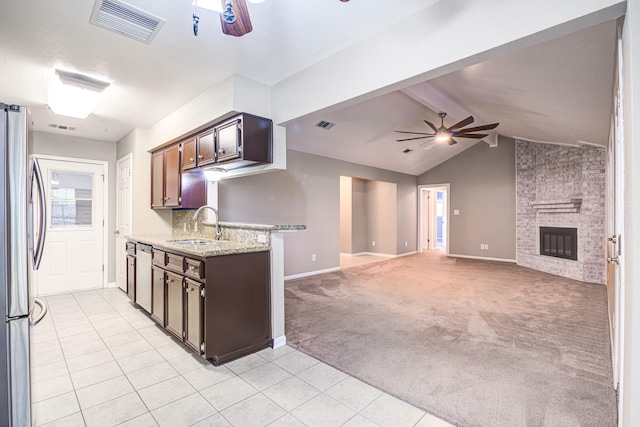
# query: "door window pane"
71 199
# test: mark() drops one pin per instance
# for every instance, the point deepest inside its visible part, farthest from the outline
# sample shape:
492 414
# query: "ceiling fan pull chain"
196 20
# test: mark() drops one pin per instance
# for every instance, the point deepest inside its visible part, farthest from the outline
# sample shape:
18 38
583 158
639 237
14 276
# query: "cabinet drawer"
194 268
175 263
159 257
131 248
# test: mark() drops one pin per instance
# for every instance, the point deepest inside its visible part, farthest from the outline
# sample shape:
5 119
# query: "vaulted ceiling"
558 91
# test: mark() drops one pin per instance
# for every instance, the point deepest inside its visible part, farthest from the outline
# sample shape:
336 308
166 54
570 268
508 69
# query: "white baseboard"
482 258
406 254
279 341
311 273
111 285
370 254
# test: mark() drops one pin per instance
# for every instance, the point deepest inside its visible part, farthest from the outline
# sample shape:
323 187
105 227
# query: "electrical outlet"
313 258
262 238
373 243
486 246
481 246
406 243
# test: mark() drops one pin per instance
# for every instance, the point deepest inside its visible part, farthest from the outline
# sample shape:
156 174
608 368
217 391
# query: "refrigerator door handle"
43 312
37 174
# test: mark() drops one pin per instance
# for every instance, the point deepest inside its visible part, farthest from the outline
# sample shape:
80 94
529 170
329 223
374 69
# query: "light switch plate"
456 212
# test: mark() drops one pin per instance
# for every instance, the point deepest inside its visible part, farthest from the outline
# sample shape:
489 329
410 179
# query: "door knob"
613 260
117 232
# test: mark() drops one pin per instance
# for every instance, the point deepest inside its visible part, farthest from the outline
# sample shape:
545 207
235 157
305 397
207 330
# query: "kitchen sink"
192 241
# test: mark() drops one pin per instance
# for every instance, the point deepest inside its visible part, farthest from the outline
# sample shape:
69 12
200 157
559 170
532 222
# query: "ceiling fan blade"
452 141
431 125
416 133
472 135
242 25
462 123
411 139
478 128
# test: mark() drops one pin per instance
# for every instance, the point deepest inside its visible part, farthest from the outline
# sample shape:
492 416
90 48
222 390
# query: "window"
71 199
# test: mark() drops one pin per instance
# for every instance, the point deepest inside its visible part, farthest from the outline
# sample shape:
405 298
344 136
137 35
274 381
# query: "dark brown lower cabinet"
219 306
237 306
193 315
175 303
157 295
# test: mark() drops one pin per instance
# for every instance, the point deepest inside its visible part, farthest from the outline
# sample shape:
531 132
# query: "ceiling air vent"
325 125
127 20
62 127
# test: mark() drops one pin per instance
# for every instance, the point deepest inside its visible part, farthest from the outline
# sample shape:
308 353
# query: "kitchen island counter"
211 248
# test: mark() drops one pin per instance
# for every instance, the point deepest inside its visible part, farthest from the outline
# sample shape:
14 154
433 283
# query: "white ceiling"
558 91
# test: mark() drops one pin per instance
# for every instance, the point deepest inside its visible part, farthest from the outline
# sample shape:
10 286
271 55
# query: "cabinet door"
172 176
206 148
229 138
189 154
157 295
194 301
157 179
131 277
175 304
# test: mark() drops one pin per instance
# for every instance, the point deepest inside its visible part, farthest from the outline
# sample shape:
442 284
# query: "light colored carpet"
476 343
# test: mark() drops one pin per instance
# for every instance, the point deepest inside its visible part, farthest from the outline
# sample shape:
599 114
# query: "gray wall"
482 187
381 217
82 148
358 217
308 193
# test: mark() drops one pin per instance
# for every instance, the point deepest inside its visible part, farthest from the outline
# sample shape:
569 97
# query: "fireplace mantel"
571 205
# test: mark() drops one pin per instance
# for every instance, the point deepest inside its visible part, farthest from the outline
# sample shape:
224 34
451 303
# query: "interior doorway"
433 226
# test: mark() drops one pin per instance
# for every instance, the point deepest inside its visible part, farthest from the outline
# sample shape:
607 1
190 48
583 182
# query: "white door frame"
421 210
105 204
124 158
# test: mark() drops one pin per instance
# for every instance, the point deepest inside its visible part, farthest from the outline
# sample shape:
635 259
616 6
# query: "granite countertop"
212 248
273 228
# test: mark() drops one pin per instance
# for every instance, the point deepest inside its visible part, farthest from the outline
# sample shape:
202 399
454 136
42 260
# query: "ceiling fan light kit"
447 134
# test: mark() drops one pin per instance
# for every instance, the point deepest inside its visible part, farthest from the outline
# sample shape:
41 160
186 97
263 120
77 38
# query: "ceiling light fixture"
214 175
73 94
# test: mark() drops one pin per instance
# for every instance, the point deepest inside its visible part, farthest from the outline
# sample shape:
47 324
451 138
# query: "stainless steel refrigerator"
22 242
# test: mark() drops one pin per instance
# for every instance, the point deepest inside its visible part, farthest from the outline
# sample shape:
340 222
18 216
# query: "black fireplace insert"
559 242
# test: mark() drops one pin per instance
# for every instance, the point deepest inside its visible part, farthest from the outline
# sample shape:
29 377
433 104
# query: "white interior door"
74 249
123 219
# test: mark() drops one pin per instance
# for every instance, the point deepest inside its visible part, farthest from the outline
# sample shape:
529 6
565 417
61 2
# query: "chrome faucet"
201 208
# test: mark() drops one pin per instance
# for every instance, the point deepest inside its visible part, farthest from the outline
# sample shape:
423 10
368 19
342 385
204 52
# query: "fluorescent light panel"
74 95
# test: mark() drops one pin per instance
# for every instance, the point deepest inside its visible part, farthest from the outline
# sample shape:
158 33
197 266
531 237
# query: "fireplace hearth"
559 242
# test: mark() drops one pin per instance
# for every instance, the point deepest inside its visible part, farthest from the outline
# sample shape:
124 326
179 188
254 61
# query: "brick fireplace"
561 188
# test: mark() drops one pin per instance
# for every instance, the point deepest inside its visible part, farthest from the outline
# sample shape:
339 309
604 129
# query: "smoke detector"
122 18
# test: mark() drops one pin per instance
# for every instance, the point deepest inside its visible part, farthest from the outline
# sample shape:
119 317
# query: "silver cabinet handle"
43 312
37 174
221 151
191 159
201 156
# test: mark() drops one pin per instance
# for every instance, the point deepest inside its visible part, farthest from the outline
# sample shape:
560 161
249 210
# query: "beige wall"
359 217
82 148
482 188
345 215
308 193
381 217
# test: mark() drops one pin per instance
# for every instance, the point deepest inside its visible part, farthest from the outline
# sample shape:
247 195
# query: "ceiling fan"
447 134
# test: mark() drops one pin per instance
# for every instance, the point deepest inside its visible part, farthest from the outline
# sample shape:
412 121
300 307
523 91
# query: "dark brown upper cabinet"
244 140
189 154
206 148
170 188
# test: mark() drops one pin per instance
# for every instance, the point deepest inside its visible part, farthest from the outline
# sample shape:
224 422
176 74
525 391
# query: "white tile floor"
98 361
